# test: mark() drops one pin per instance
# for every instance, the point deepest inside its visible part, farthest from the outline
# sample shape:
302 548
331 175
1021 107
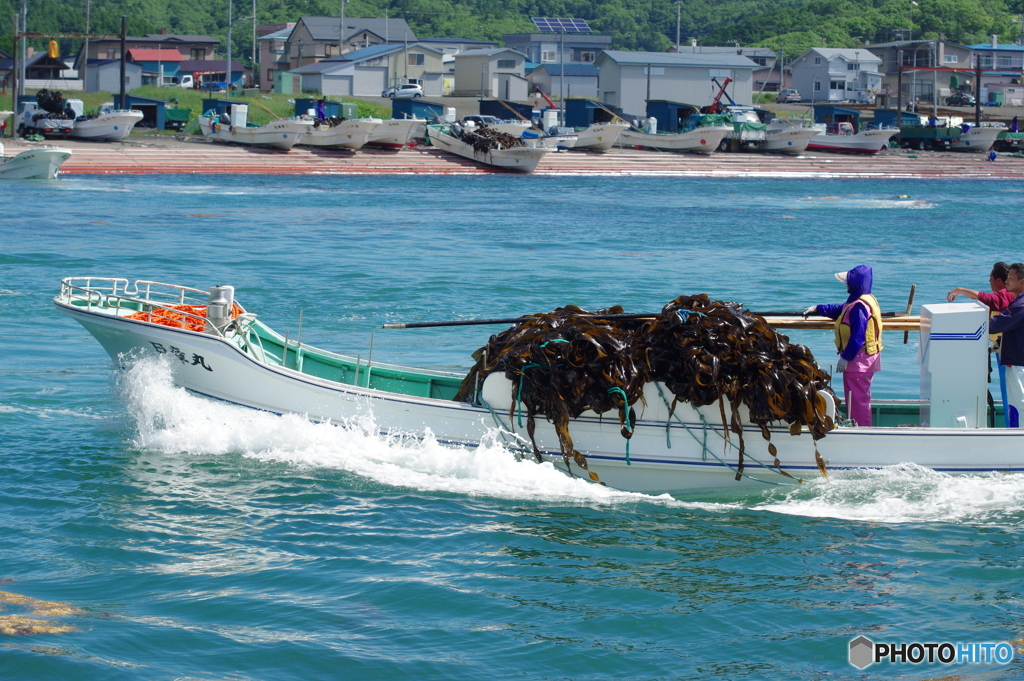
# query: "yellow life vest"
873 332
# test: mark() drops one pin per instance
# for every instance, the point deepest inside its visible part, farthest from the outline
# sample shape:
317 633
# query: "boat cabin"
829 114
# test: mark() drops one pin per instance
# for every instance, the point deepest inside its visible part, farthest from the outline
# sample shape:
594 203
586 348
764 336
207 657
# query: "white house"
628 79
580 80
826 74
498 73
367 72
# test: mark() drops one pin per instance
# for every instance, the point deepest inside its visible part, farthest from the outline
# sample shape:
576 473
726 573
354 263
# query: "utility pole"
84 71
227 72
124 57
341 28
679 5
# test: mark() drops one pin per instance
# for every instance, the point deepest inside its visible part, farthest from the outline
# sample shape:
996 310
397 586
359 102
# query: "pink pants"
857 392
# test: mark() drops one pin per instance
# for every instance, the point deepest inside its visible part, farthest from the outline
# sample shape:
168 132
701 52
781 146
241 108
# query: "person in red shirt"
996 301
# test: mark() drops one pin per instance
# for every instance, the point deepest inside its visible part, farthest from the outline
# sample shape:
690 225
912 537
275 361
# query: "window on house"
588 57
1004 61
853 66
817 61
837 85
817 86
270 75
949 59
760 61
506 63
197 53
655 70
277 47
415 60
549 55
986 61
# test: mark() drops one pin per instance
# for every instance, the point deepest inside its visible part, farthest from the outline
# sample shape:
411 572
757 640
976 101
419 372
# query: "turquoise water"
199 540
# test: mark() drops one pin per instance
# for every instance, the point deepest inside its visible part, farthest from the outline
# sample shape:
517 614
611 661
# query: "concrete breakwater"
176 156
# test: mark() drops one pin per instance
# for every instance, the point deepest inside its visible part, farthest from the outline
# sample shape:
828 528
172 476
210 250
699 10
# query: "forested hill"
792 25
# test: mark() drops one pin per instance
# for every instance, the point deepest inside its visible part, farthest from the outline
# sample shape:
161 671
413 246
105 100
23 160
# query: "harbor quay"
194 155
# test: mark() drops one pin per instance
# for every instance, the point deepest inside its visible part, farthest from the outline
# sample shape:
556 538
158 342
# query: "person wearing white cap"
858 340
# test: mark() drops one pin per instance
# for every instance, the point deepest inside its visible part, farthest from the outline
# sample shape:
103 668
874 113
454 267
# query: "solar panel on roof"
554 25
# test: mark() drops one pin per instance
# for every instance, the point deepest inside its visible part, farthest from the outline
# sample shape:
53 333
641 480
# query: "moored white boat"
514 128
280 134
599 136
784 135
396 133
111 126
217 349
701 140
977 140
34 164
348 134
863 142
523 159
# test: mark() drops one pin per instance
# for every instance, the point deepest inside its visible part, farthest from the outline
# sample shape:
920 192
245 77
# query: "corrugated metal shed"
669 114
152 110
824 113
493 107
582 113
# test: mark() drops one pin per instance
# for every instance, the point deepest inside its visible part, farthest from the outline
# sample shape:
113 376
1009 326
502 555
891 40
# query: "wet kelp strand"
705 352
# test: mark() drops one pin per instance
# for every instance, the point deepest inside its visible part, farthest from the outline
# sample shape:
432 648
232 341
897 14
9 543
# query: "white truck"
32 119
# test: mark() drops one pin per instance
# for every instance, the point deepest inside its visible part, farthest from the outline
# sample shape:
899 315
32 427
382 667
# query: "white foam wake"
170 420
907 493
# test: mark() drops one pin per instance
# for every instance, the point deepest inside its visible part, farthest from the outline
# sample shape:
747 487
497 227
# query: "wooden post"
124 42
977 91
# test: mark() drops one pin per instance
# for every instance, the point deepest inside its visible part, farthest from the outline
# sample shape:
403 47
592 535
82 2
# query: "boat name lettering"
196 359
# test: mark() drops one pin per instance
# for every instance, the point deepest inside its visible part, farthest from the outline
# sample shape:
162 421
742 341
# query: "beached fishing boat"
397 133
840 137
347 134
703 140
110 125
788 135
523 159
218 349
978 139
599 136
279 134
34 164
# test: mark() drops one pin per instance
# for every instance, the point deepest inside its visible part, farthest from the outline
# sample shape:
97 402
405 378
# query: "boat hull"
599 136
701 140
351 134
112 126
864 142
683 451
397 133
519 159
789 141
35 164
283 134
977 140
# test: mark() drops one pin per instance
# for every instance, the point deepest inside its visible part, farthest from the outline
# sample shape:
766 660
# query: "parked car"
785 96
960 99
407 91
213 86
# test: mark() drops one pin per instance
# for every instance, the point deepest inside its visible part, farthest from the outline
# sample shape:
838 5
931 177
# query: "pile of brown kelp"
704 351
487 139
329 122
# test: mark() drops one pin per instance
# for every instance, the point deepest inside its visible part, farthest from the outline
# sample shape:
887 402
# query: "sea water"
151 534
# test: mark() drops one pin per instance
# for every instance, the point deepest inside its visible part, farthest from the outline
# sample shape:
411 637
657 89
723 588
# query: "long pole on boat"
910 301
627 316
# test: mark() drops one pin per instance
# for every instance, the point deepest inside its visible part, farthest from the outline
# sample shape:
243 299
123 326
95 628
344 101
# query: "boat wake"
906 493
171 420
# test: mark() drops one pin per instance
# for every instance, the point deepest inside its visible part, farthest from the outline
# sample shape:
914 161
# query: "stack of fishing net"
705 352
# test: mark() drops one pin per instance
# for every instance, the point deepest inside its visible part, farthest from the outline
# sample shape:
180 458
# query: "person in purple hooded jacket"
858 340
1010 323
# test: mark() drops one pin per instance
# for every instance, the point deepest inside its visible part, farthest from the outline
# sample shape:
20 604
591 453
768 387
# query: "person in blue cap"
858 331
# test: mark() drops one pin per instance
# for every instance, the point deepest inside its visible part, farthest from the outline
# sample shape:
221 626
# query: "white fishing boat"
977 140
599 136
788 135
523 159
701 140
514 128
217 349
348 134
34 164
280 134
397 133
110 126
843 139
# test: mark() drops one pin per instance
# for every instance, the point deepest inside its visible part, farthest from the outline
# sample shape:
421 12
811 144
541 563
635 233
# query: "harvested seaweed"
568 361
484 140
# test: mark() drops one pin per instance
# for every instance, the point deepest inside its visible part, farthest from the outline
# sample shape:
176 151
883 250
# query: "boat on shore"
217 349
790 136
397 133
341 134
840 137
702 140
977 140
599 136
280 134
109 125
519 156
34 164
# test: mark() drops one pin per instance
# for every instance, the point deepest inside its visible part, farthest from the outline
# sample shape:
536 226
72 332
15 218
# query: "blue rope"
680 314
625 408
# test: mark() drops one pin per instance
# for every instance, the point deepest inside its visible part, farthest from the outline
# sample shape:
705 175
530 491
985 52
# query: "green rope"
625 409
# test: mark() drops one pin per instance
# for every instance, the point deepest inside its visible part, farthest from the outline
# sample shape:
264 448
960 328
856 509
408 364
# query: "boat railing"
145 295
